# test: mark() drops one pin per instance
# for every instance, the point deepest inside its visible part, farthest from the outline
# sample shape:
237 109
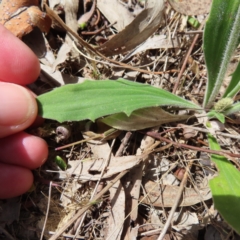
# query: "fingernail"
16 104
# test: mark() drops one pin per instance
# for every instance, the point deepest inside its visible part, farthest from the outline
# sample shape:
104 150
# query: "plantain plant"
120 103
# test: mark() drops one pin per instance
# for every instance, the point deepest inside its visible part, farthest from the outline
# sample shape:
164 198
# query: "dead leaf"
191 7
156 42
122 16
164 195
142 118
132 183
86 16
57 78
139 30
185 220
91 169
20 17
67 49
188 132
36 42
117 214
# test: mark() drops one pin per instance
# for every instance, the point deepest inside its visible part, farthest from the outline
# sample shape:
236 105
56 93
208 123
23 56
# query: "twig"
207 131
53 15
6 233
182 145
98 17
186 58
66 235
178 197
87 15
123 144
120 66
98 30
96 187
81 211
190 32
48 207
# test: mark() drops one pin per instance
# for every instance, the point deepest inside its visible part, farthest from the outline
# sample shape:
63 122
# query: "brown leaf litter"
126 186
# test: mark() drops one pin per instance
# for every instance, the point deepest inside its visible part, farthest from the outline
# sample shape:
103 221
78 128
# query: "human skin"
20 152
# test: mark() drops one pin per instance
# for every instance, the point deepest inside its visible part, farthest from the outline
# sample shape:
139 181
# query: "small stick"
182 145
98 17
98 30
6 233
123 144
207 131
81 211
174 207
96 187
186 59
48 207
53 15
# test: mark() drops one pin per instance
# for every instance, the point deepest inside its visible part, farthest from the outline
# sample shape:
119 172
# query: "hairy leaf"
235 108
234 85
220 40
221 37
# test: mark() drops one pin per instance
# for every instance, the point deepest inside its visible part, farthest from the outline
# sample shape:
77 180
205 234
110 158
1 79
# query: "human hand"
19 151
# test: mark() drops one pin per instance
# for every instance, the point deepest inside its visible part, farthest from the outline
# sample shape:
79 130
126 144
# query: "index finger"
18 64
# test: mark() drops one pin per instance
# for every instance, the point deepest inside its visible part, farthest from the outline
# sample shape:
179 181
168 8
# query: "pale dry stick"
98 30
207 131
146 196
87 15
66 235
123 144
174 31
96 187
199 194
157 184
143 157
4 231
174 207
54 16
119 66
151 232
186 58
182 145
190 32
81 211
48 207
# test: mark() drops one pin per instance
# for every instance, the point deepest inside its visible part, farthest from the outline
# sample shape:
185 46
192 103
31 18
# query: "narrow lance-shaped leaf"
234 85
221 37
233 109
94 99
225 187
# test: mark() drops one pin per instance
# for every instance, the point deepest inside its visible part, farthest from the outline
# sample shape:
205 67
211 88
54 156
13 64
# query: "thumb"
18 108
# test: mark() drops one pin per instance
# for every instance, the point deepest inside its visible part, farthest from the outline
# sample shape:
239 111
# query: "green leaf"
234 85
60 162
235 108
193 22
225 188
221 37
142 118
217 115
94 99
